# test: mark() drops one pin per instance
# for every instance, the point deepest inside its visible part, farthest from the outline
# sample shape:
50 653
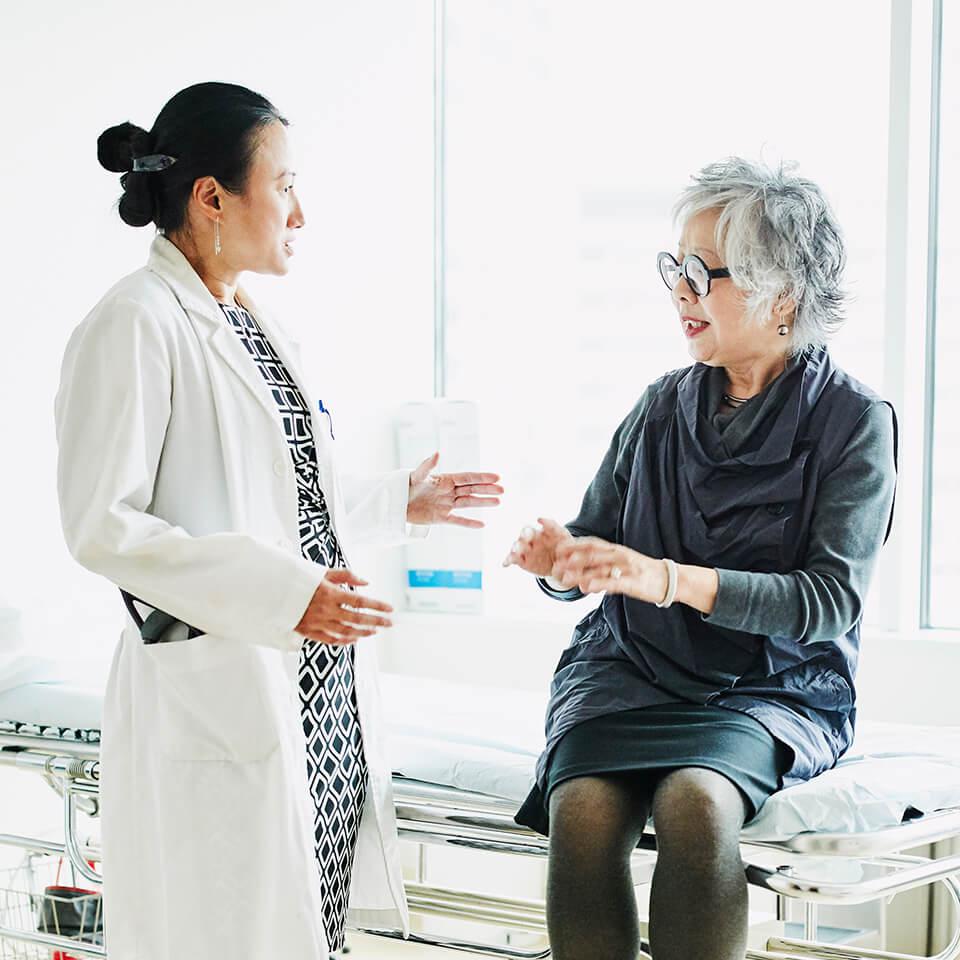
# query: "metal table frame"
429 814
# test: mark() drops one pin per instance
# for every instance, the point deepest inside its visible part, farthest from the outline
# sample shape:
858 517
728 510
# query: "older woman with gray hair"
732 529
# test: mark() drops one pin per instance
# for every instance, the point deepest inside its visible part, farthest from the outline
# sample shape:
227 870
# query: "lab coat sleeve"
376 508
111 412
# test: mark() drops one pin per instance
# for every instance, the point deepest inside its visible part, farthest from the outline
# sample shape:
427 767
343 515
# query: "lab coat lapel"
287 350
229 348
172 266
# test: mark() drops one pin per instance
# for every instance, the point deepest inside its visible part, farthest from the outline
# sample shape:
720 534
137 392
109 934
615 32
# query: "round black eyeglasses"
698 275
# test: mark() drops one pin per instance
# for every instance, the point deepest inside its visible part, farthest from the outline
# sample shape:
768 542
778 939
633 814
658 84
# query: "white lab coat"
176 483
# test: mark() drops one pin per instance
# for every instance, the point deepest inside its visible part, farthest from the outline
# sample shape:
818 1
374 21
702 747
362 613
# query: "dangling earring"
216 237
783 329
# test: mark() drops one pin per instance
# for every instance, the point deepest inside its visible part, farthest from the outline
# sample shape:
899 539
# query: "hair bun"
117 145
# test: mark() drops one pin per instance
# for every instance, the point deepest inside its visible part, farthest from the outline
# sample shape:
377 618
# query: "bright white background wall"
355 80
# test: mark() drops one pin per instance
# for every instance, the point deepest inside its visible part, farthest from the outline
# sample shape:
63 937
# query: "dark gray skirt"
648 743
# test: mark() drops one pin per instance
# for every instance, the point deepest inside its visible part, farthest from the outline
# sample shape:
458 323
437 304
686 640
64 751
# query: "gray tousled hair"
779 239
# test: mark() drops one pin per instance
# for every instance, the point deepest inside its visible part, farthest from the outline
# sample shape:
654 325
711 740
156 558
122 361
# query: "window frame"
930 327
902 586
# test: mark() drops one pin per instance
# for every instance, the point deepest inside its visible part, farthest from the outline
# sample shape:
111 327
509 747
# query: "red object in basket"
58 918
58 890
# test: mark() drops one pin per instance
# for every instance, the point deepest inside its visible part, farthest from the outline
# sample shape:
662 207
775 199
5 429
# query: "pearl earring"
216 237
783 329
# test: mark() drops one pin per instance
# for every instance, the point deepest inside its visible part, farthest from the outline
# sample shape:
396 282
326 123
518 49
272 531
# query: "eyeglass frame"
716 274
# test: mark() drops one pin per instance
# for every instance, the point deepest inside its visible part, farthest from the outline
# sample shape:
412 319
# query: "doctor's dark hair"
212 129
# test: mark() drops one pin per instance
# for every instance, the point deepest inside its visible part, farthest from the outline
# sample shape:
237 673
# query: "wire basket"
42 895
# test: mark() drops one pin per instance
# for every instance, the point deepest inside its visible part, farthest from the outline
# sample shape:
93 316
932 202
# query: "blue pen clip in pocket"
326 412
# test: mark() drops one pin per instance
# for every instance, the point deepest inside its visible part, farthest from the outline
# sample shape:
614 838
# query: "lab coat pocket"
217 700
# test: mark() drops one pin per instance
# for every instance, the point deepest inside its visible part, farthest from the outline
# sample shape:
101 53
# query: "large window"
570 130
943 478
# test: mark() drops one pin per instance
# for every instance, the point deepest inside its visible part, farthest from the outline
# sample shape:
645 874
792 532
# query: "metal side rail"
75 778
431 814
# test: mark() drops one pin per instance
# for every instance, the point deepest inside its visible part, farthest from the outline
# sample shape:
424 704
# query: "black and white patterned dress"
336 766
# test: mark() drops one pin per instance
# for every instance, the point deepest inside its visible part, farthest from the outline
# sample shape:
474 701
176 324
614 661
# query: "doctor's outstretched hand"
338 616
434 496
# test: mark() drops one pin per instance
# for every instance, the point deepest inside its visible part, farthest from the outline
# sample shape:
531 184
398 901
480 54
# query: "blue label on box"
456 579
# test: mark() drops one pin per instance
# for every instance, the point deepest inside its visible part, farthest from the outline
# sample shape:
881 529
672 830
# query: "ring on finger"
616 573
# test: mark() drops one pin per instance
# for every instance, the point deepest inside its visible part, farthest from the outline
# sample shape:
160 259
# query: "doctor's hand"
434 497
535 550
598 566
339 617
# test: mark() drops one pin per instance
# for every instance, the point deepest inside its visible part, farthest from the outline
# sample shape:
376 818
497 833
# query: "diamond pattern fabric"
336 767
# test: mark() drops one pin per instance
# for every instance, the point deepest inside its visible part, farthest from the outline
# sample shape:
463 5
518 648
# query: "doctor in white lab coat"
176 483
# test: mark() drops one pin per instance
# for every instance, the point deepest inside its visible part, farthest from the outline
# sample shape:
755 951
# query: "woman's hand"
535 549
433 498
334 615
597 566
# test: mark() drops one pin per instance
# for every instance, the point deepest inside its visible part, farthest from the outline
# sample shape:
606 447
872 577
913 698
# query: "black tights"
698 902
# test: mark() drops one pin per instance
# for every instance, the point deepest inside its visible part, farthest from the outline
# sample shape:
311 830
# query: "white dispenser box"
443 571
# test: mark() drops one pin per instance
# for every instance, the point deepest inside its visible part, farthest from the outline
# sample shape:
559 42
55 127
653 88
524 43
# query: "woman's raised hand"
597 566
339 617
535 549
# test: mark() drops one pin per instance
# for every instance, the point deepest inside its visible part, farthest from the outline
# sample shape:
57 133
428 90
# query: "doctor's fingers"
342 575
341 628
351 616
461 502
478 489
360 602
477 480
465 522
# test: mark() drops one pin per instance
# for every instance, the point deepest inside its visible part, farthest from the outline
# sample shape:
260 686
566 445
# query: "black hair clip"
152 163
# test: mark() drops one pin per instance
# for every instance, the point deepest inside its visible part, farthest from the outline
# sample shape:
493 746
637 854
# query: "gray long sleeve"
824 598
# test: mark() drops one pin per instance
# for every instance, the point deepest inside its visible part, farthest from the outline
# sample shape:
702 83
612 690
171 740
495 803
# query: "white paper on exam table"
487 739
